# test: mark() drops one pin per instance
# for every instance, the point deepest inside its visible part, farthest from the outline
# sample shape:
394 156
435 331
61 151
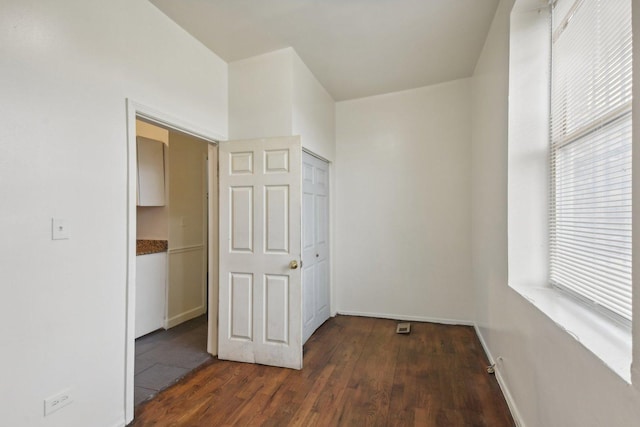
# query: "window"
544 241
590 152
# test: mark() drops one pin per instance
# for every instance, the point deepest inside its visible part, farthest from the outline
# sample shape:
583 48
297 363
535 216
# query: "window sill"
602 336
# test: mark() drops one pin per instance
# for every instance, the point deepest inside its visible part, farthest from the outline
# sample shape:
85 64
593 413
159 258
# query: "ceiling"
355 48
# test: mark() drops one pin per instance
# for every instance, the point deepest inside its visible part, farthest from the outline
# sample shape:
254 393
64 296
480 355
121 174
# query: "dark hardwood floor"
357 372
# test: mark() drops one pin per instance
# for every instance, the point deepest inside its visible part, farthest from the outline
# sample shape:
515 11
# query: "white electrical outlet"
58 401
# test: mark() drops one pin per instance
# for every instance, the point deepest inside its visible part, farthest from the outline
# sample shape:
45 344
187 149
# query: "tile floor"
163 357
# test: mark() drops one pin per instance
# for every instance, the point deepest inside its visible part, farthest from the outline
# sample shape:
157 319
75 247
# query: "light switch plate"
59 229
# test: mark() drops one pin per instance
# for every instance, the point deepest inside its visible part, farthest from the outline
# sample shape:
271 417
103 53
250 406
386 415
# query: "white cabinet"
151 279
150 172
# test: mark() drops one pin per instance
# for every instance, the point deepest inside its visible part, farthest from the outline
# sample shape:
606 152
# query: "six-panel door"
260 293
315 244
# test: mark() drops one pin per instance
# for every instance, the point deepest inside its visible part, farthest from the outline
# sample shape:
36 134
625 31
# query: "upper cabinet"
151 190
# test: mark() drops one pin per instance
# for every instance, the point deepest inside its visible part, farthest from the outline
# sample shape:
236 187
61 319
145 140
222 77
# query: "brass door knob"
293 264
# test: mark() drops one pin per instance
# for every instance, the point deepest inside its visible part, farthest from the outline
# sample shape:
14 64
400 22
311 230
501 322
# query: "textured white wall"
553 379
67 68
403 197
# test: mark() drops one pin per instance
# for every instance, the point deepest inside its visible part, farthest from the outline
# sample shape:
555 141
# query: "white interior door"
315 244
260 296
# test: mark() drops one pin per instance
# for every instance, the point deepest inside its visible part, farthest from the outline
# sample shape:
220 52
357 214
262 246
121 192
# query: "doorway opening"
172 283
171 258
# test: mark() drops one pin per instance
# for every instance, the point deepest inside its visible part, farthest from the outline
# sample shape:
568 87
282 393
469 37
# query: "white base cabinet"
151 284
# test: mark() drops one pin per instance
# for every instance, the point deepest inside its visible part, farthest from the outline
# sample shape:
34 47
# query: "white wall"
553 380
313 111
152 223
275 94
67 68
402 233
187 181
260 96
527 191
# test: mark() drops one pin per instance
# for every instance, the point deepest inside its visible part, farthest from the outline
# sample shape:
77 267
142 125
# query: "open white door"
260 295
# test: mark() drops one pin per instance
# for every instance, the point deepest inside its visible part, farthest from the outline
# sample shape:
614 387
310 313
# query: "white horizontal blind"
590 218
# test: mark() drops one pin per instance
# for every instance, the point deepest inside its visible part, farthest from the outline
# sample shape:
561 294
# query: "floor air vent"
403 328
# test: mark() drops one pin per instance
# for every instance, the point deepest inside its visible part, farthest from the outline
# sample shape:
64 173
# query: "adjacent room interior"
171 257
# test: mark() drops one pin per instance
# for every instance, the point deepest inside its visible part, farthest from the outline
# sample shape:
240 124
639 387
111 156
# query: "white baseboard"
405 317
515 413
183 317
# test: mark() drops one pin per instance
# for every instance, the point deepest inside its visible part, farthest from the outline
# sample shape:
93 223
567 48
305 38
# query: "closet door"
315 243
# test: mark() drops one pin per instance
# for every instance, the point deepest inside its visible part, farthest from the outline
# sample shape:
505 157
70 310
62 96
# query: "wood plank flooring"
357 372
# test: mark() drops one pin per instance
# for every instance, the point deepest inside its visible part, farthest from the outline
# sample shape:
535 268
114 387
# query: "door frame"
137 110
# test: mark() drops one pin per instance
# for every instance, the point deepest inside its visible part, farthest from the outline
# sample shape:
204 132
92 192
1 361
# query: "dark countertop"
146 247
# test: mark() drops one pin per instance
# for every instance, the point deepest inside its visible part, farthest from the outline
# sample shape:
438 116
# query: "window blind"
590 206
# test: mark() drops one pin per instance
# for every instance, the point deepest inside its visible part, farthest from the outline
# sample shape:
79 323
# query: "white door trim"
133 110
317 156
